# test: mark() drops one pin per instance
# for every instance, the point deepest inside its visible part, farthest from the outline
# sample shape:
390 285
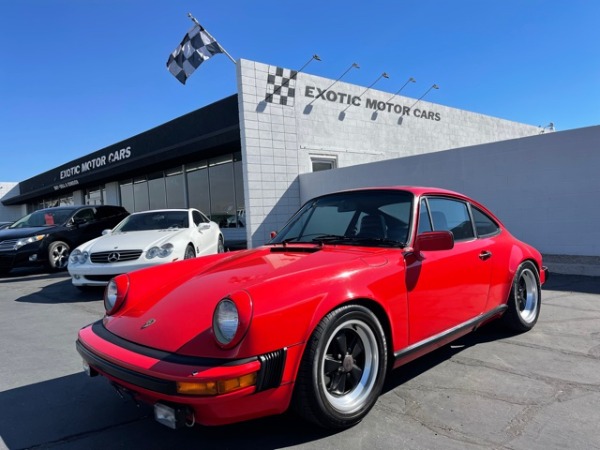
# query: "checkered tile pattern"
195 48
281 86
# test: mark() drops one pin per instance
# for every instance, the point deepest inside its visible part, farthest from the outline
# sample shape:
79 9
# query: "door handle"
485 255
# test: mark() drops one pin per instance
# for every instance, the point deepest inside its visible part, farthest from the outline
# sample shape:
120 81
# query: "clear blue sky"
79 75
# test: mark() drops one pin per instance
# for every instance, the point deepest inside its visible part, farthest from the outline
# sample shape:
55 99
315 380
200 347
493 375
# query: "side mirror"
432 241
105 232
273 234
204 226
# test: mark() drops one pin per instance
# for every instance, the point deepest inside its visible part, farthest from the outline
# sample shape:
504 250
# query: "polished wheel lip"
527 295
357 396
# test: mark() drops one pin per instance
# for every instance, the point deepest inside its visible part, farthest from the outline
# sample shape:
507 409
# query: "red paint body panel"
291 287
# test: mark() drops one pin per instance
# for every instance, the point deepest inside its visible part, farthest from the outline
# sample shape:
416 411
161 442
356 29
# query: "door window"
451 215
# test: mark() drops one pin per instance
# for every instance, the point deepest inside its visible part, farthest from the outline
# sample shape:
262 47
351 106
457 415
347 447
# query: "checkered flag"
281 86
195 48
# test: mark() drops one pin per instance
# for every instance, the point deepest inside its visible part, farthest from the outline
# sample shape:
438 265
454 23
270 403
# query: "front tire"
220 246
58 255
343 368
525 299
189 252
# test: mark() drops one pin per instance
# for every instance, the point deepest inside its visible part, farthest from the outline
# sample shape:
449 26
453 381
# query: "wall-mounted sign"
281 89
89 166
369 103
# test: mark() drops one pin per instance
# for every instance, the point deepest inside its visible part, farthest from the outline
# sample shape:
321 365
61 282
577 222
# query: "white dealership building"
250 160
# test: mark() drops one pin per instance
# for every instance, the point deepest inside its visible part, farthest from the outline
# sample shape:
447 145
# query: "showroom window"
174 183
222 190
63 200
126 191
214 186
95 195
141 200
198 188
157 191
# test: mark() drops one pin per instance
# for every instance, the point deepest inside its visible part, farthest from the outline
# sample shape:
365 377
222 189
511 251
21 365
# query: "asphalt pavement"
489 390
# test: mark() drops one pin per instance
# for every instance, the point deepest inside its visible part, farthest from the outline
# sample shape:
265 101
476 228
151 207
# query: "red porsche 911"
357 283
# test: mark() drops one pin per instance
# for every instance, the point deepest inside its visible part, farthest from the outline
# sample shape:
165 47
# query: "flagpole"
383 75
210 36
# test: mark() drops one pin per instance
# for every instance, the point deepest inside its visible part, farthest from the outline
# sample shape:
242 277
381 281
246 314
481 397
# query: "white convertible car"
144 239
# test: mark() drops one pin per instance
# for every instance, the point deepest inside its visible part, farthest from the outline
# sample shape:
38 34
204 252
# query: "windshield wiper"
357 240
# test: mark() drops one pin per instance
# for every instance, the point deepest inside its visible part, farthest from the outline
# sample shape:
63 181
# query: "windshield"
155 220
43 218
373 217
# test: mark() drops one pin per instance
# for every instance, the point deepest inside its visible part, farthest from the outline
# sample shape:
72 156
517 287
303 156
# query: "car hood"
172 307
134 240
18 233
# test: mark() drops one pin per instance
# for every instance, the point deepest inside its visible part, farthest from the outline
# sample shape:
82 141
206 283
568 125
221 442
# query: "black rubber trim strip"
144 381
99 329
459 329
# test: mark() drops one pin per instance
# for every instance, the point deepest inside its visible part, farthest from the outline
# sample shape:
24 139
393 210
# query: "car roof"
60 208
163 210
76 207
416 190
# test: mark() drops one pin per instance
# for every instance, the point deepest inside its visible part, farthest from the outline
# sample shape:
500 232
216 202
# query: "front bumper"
27 255
152 376
100 274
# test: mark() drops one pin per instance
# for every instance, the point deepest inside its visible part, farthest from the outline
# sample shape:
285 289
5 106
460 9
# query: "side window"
424 222
85 215
451 215
199 218
484 225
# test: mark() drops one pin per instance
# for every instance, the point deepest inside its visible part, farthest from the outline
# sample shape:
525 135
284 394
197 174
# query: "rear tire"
58 255
525 299
343 368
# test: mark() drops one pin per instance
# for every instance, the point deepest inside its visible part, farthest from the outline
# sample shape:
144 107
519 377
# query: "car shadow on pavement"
572 283
62 291
77 412
31 274
490 332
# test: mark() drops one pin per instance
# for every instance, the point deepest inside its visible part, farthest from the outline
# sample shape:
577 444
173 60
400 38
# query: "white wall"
344 123
544 188
10 213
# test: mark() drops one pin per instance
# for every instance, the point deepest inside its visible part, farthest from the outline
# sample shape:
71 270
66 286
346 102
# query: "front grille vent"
271 370
8 244
115 256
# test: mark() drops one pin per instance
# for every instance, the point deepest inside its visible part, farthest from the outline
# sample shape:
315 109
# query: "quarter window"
484 225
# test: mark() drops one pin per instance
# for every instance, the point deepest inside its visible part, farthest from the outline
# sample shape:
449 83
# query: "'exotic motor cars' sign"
91 165
369 103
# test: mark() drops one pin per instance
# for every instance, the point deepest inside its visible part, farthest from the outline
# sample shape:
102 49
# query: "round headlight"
225 321
115 293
